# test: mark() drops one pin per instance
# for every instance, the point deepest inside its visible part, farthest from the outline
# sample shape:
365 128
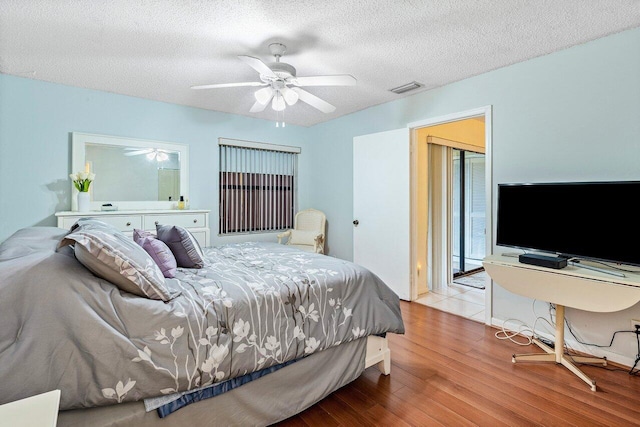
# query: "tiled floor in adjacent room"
457 299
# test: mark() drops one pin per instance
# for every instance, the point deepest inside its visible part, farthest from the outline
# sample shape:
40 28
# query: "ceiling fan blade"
258 65
314 101
138 152
337 80
216 86
258 107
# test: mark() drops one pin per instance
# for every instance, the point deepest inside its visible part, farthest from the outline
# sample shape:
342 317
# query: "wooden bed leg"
378 354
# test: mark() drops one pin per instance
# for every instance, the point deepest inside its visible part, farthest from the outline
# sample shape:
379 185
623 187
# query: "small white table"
40 410
569 287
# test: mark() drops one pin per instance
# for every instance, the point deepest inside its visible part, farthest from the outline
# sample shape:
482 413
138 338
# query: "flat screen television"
588 220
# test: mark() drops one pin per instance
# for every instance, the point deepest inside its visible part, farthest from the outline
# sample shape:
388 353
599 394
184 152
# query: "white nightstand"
40 410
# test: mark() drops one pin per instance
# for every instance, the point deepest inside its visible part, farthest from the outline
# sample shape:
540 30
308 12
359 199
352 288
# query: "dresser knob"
156 223
128 224
195 220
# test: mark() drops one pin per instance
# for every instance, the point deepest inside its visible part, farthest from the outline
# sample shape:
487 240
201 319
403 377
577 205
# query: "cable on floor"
505 334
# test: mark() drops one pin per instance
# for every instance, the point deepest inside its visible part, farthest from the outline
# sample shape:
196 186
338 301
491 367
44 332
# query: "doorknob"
356 222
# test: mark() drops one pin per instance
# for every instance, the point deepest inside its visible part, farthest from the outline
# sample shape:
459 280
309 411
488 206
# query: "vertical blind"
257 186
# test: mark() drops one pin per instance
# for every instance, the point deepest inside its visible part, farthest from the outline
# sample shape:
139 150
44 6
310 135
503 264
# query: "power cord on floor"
524 331
505 334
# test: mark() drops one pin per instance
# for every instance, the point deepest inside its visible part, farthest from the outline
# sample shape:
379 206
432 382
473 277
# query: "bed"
267 329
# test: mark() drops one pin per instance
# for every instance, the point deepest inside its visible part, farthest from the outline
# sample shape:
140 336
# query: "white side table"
40 410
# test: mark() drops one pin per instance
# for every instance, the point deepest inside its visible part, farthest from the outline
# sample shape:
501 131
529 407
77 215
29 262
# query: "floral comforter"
254 305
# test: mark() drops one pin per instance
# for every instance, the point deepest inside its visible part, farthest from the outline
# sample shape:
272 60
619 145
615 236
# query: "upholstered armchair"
308 231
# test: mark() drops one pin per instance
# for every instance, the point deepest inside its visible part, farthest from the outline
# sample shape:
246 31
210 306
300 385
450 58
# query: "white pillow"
299 237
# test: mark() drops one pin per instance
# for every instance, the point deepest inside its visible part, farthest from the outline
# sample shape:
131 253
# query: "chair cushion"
300 237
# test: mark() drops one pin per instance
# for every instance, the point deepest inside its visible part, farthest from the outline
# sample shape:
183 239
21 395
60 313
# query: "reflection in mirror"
152 174
131 173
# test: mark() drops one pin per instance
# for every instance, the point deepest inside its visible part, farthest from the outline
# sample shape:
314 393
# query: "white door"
381 184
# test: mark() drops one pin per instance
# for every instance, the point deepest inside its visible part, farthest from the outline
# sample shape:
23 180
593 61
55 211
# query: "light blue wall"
36 119
571 115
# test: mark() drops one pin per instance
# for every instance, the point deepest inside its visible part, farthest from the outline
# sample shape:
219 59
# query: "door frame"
485 111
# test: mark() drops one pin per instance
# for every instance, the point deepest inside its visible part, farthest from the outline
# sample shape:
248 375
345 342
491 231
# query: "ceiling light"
406 87
278 103
151 155
264 95
161 157
290 96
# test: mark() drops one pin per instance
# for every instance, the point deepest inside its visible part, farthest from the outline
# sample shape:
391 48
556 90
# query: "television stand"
573 287
557 355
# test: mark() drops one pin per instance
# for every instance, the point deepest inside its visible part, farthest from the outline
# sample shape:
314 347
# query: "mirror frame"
78 141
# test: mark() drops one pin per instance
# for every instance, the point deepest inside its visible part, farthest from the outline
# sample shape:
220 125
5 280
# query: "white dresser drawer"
121 222
124 222
197 221
186 220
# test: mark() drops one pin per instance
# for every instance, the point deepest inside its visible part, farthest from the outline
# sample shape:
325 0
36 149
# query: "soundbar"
543 260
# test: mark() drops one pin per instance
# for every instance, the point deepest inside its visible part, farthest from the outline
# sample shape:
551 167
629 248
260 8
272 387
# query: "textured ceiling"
159 49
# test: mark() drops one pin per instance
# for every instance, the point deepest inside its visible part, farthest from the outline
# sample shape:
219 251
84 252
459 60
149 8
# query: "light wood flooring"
452 371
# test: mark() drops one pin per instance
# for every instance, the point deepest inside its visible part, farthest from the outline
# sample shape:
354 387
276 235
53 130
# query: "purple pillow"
158 250
183 244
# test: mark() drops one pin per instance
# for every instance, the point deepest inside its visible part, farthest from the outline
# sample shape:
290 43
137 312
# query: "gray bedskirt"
262 402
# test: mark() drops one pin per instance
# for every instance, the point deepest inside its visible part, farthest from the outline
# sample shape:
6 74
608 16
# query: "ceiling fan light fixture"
151 155
278 103
290 96
264 95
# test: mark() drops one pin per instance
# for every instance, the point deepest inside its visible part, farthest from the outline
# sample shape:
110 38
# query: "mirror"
131 173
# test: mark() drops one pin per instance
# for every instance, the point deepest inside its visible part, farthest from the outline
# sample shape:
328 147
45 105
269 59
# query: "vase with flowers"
82 181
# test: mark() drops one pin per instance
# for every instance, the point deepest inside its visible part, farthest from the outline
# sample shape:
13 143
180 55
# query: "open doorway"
451 229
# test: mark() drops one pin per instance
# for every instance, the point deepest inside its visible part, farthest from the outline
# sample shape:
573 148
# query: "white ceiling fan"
151 153
282 86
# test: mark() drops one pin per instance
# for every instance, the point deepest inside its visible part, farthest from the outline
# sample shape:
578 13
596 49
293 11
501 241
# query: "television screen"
591 220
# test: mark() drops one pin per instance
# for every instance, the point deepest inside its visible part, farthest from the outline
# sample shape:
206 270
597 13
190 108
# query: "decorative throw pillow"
184 246
119 260
300 237
158 250
89 223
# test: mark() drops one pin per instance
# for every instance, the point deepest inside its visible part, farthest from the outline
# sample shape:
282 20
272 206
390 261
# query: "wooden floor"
447 370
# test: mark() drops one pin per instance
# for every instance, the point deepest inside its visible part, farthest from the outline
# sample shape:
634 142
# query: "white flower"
177 332
357 332
92 176
83 175
312 345
272 343
297 333
240 330
73 176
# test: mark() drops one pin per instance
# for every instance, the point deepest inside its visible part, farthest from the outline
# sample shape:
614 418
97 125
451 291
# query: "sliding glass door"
468 211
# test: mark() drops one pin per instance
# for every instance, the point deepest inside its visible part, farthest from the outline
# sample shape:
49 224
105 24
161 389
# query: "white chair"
308 231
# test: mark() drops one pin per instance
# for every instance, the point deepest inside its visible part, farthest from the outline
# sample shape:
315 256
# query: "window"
257 186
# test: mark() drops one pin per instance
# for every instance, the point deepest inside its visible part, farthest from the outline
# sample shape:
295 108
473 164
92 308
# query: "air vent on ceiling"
406 87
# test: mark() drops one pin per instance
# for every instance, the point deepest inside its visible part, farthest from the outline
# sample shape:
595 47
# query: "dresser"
195 220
